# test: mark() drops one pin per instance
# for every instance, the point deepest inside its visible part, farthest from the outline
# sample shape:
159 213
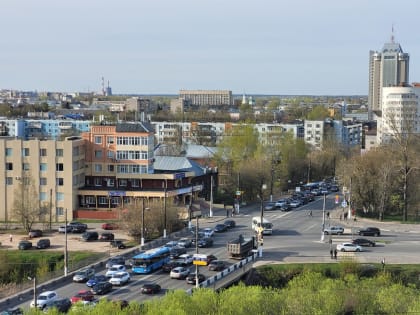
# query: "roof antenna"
392 33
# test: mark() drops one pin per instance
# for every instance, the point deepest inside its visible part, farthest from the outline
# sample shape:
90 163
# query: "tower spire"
392 33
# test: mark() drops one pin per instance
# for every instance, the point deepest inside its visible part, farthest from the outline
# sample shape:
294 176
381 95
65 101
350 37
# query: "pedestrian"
331 253
383 263
11 238
341 217
328 215
233 212
310 213
335 253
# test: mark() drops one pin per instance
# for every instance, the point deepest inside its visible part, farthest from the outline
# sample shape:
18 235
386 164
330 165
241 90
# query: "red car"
110 226
82 295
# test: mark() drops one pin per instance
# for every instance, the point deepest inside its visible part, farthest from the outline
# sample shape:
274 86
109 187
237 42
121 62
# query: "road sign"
344 204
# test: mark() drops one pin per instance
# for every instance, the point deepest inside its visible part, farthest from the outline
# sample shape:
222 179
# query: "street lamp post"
323 219
165 183
142 222
261 229
211 196
34 280
50 209
66 254
190 208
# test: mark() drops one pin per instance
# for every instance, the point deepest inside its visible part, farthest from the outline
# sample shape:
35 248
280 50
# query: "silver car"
179 273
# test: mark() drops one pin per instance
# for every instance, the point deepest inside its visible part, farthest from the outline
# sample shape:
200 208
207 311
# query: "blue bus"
150 260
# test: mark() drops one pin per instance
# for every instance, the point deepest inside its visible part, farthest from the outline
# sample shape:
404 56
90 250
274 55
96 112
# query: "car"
171 244
101 288
96 279
230 223
270 206
173 264
106 236
281 202
191 278
114 269
295 203
334 230
82 295
186 258
285 208
64 229
78 227
90 236
208 232
216 265
117 244
61 305
34 233
44 298
334 188
219 228
13 311
150 288
369 231
177 251
116 260
364 242
349 247
43 243
179 273
205 242
120 278
110 226
185 242
24 245
83 275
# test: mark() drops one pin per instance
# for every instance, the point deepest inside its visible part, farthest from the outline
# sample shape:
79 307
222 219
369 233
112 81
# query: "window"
110 154
25 152
43 181
110 168
122 183
42 152
59 181
59 211
98 168
9 151
110 182
98 154
9 180
102 200
90 200
110 140
135 183
98 181
59 167
9 166
42 196
43 167
59 196
98 139
25 166
115 201
59 152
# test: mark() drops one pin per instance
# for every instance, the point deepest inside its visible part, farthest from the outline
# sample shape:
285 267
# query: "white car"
120 278
339 230
187 258
349 247
114 269
208 232
179 273
44 298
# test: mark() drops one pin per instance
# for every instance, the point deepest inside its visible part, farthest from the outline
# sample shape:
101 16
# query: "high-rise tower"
386 68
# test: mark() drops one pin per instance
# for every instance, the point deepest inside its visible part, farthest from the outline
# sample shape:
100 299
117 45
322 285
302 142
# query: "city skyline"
144 47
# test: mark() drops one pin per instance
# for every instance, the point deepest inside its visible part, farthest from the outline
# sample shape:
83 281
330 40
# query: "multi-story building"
207 97
47 172
314 132
389 67
400 113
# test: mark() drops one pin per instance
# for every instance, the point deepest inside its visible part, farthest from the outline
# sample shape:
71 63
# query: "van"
90 236
43 243
267 226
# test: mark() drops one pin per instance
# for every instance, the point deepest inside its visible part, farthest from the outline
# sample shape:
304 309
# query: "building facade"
207 97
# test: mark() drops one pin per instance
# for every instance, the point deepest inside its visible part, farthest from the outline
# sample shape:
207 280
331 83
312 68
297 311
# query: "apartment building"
207 97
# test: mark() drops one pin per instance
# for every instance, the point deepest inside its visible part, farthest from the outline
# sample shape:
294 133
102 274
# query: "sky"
277 47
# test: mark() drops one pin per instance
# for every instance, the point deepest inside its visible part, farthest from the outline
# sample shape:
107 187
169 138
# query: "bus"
150 260
267 225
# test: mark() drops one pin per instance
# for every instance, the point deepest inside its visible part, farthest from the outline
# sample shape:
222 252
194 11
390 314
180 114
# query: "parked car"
106 236
179 273
177 251
364 242
34 233
44 298
120 278
150 288
185 242
369 231
349 247
208 232
114 269
117 244
216 265
334 230
13 311
270 206
78 227
43 243
61 305
90 236
101 288
219 228
24 245
230 223
82 295
205 242
110 226
63 228
84 275
191 278
95 280
116 260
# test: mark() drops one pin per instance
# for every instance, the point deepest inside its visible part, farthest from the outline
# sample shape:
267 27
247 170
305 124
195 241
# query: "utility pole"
196 250
50 209
65 247
211 195
165 183
190 208
142 222
323 218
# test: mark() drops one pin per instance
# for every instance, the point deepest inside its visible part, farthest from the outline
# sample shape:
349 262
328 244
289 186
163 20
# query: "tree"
319 112
26 206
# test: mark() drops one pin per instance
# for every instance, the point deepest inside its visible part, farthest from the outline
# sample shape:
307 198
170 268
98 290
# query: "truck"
241 247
